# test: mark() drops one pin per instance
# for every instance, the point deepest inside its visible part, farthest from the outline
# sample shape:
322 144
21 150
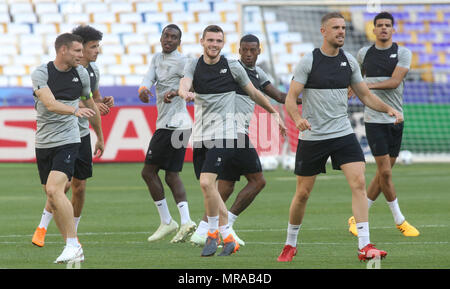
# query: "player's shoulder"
93 65
349 56
232 61
363 50
403 49
234 64
259 69
81 70
40 70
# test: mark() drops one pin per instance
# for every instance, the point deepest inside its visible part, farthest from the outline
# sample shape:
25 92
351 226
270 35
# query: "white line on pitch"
239 230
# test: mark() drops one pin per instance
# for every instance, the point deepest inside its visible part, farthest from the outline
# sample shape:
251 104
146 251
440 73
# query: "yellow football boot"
408 230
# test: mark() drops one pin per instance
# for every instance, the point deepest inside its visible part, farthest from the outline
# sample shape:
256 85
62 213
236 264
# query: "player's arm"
372 101
295 89
277 95
274 93
184 91
393 82
103 103
96 124
46 96
95 120
262 101
147 83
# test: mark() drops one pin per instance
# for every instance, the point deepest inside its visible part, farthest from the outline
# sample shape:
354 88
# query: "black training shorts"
312 156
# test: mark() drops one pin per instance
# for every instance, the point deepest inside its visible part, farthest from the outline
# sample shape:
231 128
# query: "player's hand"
84 112
109 101
145 95
398 116
103 108
99 148
189 96
169 95
280 122
303 124
351 94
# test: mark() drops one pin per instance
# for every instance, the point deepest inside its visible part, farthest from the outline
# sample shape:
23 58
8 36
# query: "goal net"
289 29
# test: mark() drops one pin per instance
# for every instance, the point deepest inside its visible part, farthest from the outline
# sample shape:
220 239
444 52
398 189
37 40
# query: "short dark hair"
383 15
249 38
331 15
172 26
88 33
212 28
66 39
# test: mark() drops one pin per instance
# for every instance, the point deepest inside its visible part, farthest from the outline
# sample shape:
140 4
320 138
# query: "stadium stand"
131 32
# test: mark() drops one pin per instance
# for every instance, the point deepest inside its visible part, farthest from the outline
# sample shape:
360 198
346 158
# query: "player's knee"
302 195
147 175
261 183
171 177
52 193
206 186
385 175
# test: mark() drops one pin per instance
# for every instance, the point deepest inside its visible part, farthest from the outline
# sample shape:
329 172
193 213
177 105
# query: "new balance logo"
224 70
92 74
393 55
344 63
75 79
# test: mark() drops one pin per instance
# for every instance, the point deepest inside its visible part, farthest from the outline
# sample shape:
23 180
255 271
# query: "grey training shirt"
166 70
325 109
56 129
392 97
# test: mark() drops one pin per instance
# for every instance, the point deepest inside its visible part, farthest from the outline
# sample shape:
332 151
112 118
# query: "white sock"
183 208
231 218
45 219
163 210
396 213
72 242
363 234
225 231
76 220
213 223
202 228
369 202
292 234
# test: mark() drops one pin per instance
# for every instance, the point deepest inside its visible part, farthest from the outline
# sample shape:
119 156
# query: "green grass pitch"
119 215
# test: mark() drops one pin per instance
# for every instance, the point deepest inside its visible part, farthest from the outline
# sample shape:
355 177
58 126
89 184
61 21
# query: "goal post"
289 29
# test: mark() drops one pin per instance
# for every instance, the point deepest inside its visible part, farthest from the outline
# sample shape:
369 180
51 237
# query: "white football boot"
184 232
70 254
235 236
163 230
